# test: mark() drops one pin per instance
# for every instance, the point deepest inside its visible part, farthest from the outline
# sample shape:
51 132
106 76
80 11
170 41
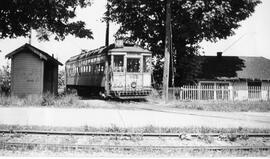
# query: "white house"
241 78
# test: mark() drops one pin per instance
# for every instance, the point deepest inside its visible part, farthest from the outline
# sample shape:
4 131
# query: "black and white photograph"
135 78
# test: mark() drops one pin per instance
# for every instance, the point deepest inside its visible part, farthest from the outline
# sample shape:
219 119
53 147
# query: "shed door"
48 78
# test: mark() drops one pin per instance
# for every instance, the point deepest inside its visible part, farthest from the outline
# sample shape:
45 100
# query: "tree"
143 21
61 78
5 79
18 17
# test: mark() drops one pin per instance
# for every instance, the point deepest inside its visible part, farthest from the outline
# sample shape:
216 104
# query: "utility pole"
107 91
107 27
168 41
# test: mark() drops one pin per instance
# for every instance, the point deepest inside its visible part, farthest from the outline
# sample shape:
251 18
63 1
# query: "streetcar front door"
118 73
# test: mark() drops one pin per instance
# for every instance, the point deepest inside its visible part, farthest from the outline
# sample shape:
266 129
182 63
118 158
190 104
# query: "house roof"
43 55
255 68
234 67
110 48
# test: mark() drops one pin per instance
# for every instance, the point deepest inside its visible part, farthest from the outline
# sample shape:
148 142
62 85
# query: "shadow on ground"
95 97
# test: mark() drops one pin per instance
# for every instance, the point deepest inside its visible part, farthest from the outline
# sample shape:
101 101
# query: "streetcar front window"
133 65
146 63
118 63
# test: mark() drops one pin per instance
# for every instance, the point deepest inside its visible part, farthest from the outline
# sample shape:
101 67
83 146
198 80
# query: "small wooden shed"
33 71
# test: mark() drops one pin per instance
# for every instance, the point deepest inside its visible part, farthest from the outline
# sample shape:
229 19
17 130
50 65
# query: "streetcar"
119 70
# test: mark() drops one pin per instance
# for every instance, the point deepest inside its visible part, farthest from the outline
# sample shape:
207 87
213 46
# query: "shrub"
44 100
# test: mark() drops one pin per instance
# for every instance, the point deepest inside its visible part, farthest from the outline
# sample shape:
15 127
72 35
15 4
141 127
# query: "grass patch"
146 129
224 106
130 153
44 100
73 101
211 105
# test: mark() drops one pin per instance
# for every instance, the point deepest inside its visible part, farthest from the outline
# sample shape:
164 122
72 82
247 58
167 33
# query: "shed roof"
43 55
234 67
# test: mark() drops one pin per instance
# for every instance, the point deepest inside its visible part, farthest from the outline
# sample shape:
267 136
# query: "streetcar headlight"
133 84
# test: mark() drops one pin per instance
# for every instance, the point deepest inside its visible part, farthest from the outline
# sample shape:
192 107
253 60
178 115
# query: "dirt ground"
130 114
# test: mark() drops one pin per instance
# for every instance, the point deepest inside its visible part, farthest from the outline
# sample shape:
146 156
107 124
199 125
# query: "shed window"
118 63
133 65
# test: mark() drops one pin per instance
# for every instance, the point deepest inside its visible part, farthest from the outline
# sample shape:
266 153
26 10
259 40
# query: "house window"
214 91
207 91
222 90
254 90
133 65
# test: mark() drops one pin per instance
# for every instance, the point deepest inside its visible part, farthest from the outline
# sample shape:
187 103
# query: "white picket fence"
190 92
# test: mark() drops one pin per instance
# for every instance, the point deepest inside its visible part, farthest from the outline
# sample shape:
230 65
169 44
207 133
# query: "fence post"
180 93
215 91
231 93
222 92
268 93
199 91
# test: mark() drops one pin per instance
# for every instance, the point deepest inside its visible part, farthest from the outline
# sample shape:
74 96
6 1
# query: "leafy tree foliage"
18 17
143 21
5 79
61 78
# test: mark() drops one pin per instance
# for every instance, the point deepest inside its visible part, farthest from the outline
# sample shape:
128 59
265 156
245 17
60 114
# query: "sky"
251 39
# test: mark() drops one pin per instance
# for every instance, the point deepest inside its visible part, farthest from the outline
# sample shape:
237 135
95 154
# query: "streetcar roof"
130 49
111 48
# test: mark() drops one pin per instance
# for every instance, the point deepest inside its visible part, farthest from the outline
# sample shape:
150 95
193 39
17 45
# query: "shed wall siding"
27 74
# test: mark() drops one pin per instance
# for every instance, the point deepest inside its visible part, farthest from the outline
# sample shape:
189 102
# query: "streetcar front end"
130 72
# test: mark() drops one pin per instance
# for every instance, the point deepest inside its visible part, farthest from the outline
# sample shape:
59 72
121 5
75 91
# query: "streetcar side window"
90 69
118 63
97 68
102 68
133 65
146 63
78 70
94 69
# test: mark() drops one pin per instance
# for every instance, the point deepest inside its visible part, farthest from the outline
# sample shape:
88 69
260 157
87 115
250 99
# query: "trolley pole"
30 36
168 41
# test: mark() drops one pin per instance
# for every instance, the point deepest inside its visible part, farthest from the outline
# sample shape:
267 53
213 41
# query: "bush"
44 100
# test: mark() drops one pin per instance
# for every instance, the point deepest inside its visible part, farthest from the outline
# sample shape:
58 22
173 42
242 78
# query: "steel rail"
78 133
126 147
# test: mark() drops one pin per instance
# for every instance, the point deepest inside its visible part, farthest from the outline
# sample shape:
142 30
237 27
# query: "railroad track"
89 147
76 133
10 146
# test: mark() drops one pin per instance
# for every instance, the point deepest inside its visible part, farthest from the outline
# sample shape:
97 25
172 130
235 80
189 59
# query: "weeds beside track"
121 142
39 146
